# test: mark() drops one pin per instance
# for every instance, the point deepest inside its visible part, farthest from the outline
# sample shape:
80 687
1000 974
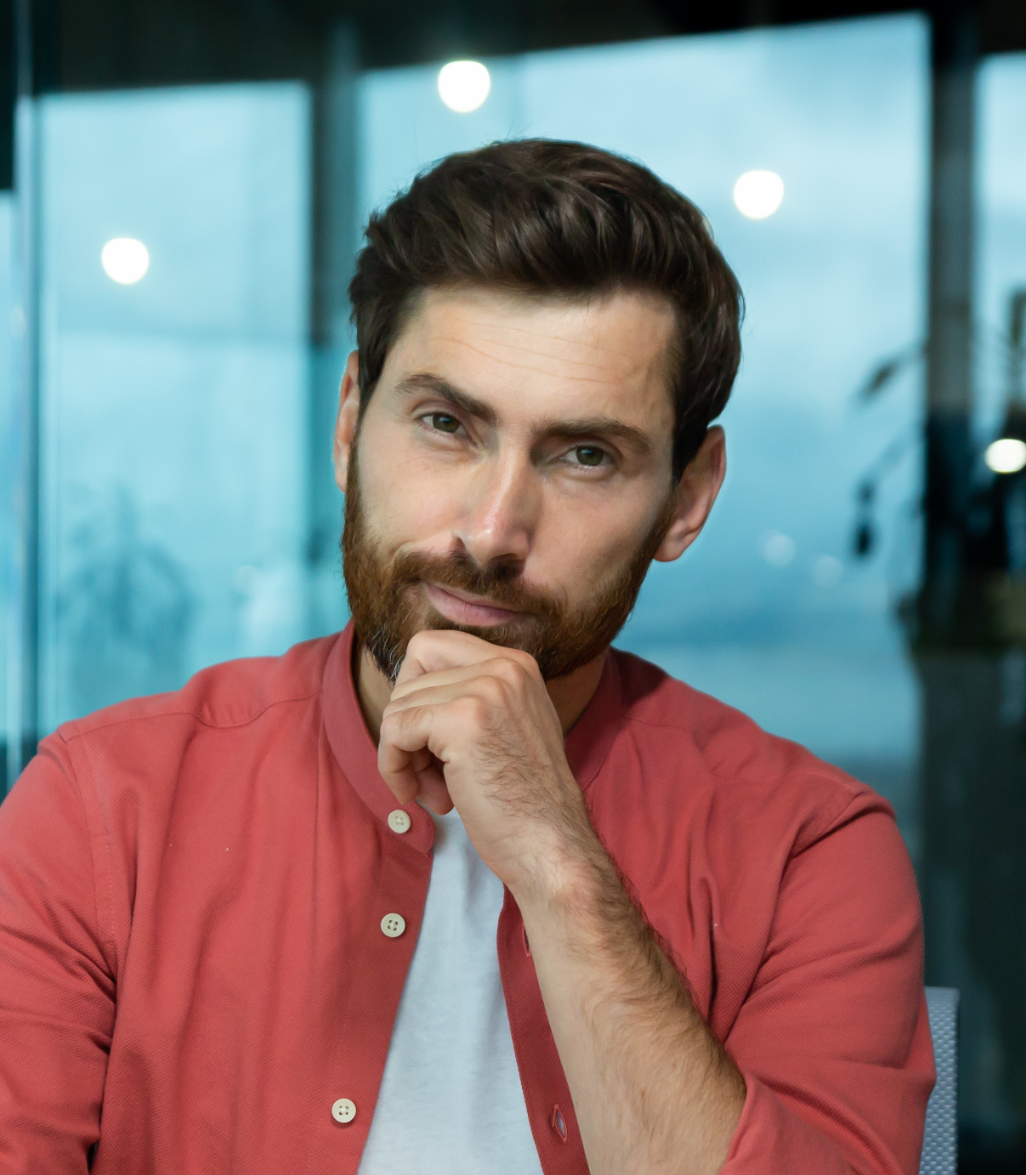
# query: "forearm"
652 1087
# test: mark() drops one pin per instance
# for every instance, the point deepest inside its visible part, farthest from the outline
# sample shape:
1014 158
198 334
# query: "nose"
503 499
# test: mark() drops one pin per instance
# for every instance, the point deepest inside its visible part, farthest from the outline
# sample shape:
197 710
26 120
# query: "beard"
388 610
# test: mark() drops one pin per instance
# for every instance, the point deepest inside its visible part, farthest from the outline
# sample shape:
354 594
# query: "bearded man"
460 890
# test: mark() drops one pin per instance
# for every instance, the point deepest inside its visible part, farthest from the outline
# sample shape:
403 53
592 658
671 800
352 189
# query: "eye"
587 455
443 422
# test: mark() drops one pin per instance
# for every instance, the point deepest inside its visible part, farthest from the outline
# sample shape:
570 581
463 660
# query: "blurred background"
183 188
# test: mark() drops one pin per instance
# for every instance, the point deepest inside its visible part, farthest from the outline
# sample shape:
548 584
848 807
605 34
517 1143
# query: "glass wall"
771 610
194 244
173 385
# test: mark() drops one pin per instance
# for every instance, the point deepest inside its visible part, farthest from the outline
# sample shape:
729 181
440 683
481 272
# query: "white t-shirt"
451 1101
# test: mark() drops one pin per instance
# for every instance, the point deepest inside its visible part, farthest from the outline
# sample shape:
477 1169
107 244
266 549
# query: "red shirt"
193 969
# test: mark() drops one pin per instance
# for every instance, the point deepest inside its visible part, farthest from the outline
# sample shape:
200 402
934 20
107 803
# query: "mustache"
500 583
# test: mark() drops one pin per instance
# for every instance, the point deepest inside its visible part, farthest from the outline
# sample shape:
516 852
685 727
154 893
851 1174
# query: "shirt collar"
587 744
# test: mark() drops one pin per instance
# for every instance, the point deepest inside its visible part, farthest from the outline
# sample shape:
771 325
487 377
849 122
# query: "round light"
827 571
777 549
758 194
125 260
1006 455
463 85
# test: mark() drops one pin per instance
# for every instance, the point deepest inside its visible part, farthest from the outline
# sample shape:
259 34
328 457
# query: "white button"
392 925
343 1110
399 821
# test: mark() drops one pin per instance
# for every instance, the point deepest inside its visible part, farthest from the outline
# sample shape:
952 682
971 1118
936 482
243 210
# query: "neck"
570 695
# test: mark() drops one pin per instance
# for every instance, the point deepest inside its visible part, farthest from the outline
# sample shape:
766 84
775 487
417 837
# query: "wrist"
569 875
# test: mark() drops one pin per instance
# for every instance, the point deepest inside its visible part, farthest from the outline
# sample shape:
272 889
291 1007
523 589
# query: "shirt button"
399 821
392 925
343 1110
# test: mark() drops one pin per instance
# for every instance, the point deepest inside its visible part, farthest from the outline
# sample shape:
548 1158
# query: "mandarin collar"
587 744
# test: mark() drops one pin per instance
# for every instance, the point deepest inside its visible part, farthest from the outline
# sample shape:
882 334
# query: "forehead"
606 354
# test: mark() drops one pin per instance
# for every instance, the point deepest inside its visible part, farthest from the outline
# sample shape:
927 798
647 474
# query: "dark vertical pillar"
7 94
971 662
949 340
335 239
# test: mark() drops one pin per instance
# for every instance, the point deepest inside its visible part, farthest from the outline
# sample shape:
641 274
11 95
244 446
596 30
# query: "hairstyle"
548 217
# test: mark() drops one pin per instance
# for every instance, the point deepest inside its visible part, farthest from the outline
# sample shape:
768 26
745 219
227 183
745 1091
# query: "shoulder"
223 696
224 720
742 770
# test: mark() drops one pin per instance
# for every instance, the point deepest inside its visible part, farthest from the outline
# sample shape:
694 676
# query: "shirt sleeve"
57 972
834 1038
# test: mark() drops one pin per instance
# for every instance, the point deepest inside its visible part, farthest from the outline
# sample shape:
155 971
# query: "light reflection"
758 194
125 260
1006 455
464 85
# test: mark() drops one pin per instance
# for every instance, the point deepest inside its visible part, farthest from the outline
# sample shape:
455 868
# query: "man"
460 890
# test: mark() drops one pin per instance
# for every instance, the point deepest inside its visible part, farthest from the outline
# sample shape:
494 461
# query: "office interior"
183 188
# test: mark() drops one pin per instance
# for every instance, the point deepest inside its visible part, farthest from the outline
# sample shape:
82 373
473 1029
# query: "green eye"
443 422
588 455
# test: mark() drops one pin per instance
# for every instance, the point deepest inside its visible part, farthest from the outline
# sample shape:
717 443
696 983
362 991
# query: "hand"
471 724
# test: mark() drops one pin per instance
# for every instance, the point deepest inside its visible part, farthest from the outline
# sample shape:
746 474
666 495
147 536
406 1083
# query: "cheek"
586 554
405 498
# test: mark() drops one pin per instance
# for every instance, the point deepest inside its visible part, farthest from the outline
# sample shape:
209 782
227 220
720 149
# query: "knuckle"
506 669
475 709
494 687
524 662
393 720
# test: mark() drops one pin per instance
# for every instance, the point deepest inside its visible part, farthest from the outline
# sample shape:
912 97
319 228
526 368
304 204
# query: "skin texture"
542 443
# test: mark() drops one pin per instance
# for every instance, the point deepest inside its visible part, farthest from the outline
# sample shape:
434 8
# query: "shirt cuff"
771 1138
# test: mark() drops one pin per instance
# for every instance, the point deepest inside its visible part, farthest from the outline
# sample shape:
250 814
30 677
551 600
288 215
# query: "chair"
940 1140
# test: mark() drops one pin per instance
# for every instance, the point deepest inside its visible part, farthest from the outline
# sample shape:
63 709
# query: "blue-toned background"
188 511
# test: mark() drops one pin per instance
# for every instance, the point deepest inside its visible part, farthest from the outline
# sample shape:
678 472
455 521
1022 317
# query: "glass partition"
175 229
194 246
773 610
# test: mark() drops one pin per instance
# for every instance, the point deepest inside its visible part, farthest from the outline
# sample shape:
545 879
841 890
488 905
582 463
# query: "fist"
471 724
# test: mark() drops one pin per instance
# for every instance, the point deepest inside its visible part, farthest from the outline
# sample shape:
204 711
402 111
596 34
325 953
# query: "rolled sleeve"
834 1040
771 1138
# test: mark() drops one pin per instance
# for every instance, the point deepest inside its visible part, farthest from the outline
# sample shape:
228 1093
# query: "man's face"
511 475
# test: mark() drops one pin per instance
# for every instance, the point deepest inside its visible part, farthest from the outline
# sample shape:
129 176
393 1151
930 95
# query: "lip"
459 609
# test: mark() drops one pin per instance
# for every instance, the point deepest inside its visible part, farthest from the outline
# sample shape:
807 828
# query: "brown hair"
549 217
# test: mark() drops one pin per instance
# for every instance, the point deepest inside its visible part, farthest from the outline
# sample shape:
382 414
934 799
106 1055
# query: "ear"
348 418
698 488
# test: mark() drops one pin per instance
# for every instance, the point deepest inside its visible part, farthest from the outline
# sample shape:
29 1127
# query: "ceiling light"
464 85
125 260
776 548
1006 455
758 194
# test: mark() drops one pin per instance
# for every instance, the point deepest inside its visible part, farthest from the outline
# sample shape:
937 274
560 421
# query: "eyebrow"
598 426
425 381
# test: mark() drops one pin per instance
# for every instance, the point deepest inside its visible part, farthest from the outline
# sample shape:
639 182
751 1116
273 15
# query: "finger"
403 751
445 684
431 780
433 792
408 767
433 651
400 776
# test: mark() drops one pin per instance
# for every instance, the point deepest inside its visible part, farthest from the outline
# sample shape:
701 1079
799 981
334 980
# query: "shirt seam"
830 817
108 917
715 769
68 738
